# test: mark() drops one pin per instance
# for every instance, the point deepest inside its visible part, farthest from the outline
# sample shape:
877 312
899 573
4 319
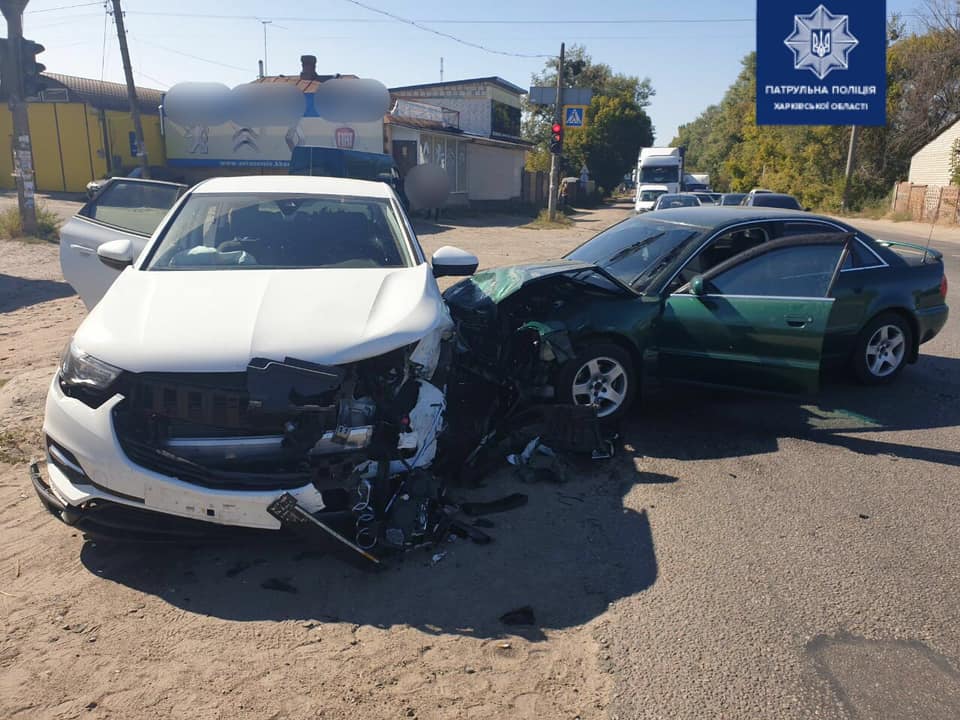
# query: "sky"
690 50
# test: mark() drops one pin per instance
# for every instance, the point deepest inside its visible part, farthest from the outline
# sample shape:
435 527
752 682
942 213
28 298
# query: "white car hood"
217 321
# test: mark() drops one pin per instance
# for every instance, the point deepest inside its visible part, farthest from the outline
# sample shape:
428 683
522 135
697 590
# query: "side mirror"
696 285
453 262
116 254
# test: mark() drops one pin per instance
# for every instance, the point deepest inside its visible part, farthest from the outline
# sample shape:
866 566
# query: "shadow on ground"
570 552
18 292
428 226
699 424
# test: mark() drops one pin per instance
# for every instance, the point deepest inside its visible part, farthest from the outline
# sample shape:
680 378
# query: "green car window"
803 271
635 250
860 256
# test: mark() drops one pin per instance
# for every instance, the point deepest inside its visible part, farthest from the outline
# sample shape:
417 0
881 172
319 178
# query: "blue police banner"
821 63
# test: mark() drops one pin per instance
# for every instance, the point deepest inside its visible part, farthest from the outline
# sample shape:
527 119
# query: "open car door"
126 208
756 321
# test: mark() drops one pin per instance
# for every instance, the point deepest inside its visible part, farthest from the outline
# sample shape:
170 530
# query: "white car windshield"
251 231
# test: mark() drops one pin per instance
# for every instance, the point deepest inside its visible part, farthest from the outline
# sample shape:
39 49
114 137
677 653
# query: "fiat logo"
345 137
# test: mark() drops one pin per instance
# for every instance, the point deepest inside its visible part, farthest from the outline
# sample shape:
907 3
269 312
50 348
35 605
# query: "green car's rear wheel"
882 349
601 375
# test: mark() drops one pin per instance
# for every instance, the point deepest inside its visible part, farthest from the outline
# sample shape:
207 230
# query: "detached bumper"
115 521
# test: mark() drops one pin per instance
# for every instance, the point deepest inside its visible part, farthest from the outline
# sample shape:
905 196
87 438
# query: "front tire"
601 375
882 349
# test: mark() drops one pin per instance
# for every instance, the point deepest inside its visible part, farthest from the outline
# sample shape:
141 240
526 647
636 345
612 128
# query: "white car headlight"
85 372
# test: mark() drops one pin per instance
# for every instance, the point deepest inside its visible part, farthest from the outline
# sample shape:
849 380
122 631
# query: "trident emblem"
820 43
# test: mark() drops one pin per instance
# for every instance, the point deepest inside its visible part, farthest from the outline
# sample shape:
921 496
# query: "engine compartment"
284 423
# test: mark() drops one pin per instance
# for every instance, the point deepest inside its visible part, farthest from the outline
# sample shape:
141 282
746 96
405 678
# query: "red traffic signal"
556 140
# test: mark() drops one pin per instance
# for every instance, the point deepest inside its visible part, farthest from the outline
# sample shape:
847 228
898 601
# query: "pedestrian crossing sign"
574 116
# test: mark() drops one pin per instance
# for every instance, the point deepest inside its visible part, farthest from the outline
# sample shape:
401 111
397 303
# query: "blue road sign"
821 64
574 116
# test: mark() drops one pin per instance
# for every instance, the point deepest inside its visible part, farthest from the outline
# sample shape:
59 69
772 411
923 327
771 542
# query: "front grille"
216 400
167 464
160 407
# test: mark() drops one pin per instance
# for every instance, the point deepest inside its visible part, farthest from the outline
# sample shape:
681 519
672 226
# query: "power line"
151 79
440 33
63 7
194 57
476 21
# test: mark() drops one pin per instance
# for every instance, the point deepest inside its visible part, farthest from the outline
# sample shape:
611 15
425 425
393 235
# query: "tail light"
943 287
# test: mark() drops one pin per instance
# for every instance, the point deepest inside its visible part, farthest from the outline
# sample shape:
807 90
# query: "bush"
48 224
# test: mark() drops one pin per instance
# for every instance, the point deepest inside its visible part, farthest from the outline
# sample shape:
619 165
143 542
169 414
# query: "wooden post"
131 89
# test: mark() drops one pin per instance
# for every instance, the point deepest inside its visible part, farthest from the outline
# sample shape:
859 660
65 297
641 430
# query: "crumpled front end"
284 422
515 325
220 448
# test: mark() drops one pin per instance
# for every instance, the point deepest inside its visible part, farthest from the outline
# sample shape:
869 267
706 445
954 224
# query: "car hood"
498 284
217 321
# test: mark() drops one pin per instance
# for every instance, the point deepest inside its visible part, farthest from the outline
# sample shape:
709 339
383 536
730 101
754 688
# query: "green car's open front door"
757 321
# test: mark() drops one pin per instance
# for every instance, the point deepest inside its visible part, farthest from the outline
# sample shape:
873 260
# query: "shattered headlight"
84 376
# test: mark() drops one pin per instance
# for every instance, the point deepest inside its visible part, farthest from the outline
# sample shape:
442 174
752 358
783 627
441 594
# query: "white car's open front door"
126 208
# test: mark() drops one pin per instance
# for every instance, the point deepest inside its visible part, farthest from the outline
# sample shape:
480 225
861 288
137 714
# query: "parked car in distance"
731 198
706 198
265 332
677 200
647 197
773 200
754 299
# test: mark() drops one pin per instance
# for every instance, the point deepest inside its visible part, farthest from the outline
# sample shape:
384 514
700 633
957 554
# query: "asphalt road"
806 551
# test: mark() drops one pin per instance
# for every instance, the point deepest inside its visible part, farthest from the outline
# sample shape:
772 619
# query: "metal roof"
307 86
493 80
105 95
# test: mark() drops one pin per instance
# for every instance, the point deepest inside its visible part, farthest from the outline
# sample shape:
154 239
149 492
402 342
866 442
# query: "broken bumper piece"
110 520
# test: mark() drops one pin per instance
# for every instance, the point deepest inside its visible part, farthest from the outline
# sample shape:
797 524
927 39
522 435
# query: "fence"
535 188
928 203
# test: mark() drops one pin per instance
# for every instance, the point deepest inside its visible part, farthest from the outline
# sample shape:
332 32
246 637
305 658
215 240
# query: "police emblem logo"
821 42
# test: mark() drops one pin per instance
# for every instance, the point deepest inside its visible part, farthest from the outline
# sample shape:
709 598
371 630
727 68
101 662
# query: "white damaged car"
248 338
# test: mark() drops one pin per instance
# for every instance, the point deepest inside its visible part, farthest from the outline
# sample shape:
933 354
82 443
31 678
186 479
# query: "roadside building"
931 165
471 128
81 130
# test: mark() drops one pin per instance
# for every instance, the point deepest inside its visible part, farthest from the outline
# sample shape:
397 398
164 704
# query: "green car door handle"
798 321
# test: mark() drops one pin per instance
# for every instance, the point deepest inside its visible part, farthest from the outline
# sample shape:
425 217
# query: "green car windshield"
636 250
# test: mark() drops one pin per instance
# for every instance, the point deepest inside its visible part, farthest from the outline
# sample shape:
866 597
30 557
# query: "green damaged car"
753 299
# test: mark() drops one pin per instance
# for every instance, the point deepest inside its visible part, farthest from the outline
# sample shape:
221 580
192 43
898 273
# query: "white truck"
658 169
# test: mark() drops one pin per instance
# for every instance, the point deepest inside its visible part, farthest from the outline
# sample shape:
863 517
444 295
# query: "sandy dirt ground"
101 631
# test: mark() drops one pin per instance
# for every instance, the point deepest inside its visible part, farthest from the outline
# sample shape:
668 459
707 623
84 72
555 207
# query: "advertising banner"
821 63
259 125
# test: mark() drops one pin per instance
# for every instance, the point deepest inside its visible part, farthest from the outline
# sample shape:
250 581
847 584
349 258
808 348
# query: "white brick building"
931 164
471 128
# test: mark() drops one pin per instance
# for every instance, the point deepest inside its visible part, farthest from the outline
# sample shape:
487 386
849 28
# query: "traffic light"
33 83
556 140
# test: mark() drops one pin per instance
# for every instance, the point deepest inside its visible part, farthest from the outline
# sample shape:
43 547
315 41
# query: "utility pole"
555 158
21 147
131 88
851 160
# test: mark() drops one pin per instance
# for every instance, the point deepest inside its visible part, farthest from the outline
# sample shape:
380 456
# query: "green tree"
616 130
583 146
